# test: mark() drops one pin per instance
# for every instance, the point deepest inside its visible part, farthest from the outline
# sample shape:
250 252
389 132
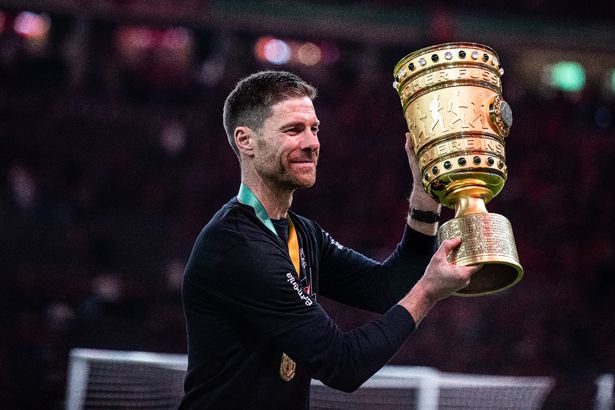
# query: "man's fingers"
450 244
475 268
468 271
409 142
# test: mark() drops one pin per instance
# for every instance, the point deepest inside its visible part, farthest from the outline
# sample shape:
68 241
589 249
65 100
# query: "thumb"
409 142
450 244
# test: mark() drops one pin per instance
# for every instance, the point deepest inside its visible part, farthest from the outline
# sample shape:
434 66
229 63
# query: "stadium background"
113 156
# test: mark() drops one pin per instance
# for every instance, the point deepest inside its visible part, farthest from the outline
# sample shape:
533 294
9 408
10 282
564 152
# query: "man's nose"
310 140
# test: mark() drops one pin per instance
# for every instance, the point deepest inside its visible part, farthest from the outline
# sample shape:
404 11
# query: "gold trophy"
451 95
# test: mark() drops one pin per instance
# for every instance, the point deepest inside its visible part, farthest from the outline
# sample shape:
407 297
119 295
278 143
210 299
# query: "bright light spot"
294 52
608 81
259 47
32 25
272 50
277 51
567 76
309 54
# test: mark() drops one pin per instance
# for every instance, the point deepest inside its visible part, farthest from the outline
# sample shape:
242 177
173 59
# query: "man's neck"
275 200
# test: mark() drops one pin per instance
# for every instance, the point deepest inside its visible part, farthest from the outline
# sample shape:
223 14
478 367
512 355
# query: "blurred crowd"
108 173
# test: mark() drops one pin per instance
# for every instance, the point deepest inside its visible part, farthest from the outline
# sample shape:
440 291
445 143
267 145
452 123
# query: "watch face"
506 114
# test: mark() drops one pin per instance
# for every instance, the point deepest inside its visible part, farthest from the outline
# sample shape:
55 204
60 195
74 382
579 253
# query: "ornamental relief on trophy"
442 115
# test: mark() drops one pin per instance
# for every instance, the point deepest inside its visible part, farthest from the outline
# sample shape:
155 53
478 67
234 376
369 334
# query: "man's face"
287 147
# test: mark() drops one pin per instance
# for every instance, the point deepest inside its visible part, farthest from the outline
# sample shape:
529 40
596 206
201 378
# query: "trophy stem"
469 205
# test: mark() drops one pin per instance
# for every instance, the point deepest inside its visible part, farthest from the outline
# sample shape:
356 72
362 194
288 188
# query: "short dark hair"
250 102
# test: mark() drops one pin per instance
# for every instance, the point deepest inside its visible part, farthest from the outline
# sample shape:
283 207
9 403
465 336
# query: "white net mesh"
397 387
124 380
604 392
136 380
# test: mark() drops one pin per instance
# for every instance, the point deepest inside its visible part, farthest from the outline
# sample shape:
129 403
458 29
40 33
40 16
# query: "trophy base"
487 239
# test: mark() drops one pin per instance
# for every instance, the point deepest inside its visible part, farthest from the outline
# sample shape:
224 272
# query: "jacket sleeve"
351 278
254 283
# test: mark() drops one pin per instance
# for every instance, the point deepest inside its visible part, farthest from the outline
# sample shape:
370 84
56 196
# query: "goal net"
424 388
103 379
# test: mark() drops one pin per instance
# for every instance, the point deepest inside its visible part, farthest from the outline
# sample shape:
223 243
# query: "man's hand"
414 163
419 199
440 280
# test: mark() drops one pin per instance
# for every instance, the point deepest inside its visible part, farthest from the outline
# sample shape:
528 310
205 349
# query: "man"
256 333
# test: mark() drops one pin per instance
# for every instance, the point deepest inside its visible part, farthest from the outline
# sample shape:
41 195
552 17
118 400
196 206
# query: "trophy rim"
443 46
520 274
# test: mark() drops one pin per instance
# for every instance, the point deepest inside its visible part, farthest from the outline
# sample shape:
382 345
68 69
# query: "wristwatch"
424 216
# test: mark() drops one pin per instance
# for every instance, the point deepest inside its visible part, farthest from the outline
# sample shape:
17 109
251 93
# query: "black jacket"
244 306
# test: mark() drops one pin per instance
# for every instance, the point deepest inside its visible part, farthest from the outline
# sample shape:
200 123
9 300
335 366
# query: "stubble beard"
284 177
292 181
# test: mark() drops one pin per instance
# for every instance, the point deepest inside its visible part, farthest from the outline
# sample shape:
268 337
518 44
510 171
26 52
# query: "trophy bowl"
451 95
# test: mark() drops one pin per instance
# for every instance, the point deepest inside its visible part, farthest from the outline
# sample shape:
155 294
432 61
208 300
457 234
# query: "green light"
568 76
613 80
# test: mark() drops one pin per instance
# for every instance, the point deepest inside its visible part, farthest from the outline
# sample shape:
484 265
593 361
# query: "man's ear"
244 139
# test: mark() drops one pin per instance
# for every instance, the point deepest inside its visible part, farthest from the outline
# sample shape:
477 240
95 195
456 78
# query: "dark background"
109 168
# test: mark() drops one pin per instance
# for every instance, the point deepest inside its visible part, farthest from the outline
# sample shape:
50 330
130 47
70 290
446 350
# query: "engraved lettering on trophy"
475 74
456 107
493 146
488 145
489 77
434 108
419 84
460 145
456 146
449 74
495 244
441 149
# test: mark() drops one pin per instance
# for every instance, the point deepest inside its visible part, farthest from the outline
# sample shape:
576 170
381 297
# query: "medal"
287 368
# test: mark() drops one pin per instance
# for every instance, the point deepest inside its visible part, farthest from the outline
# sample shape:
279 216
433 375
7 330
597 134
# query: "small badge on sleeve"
287 368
